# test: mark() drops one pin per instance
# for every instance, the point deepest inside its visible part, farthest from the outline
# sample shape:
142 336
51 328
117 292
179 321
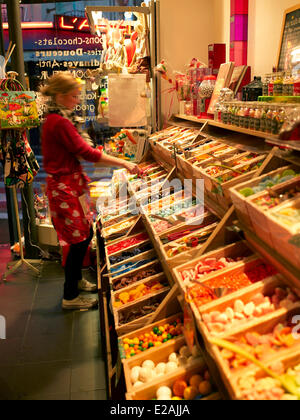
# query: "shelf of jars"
230 127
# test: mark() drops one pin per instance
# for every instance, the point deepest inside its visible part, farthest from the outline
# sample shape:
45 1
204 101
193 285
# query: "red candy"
112 249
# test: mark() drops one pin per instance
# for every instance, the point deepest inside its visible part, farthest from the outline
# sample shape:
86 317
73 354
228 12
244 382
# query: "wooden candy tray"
147 328
148 392
148 281
241 203
260 221
239 249
139 322
265 327
266 287
289 361
153 264
161 355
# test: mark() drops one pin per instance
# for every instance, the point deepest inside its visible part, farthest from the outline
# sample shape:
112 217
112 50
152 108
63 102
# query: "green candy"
247 192
150 345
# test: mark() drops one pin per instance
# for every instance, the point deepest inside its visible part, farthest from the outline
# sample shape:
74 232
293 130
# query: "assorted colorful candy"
261 346
270 200
134 278
155 338
236 281
269 182
139 292
121 227
130 254
189 242
196 387
205 267
289 216
267 388
241 312
130 266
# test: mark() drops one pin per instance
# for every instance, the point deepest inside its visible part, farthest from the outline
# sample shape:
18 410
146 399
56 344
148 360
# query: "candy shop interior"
197 258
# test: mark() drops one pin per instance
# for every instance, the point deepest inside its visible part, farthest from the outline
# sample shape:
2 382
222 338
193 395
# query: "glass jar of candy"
207 86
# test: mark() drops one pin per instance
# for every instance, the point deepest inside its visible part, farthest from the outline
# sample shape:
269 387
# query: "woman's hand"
132 168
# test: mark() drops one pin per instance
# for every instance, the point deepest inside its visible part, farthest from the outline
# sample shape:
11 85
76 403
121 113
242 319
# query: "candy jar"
271 85
246 115
188 108
263 118
275 121
278 84
269 118
282 117
239 116
257 117
251 116
266 82
207 86
288 85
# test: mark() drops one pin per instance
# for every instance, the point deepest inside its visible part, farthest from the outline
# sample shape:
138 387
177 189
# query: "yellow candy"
158 343
176 399
126 341
124 297
161 329
118 304
126 346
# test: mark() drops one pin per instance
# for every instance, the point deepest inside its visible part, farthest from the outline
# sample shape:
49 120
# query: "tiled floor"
48 354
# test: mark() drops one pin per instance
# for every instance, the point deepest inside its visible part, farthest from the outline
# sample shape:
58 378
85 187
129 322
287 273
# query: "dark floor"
48 353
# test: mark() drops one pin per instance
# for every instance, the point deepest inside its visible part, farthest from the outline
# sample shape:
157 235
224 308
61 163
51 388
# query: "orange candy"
205 388
196 380
179 387
190 393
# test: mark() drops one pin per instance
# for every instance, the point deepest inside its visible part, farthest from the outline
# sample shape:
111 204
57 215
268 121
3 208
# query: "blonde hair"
62 82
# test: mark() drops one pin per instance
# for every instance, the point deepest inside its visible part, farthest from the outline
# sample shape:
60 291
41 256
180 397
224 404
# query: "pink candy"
218 322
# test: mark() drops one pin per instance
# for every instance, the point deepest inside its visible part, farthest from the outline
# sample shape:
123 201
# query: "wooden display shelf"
228 127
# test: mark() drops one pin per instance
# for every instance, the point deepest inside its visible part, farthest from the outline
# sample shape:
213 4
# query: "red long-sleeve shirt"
62 144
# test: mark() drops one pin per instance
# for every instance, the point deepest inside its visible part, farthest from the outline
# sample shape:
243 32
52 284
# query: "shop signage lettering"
2 328
64 65
66 53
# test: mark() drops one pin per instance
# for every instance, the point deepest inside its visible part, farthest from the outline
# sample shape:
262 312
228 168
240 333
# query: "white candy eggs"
135 373
146 375
173 357
160 368
164 393
171 366
148 364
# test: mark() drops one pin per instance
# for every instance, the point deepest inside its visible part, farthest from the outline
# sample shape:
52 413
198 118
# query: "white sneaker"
79 303
86 286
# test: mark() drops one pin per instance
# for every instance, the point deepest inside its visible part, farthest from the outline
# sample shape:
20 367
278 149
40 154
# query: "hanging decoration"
18 160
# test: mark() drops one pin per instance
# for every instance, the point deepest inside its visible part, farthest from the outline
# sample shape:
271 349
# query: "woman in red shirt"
63 144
